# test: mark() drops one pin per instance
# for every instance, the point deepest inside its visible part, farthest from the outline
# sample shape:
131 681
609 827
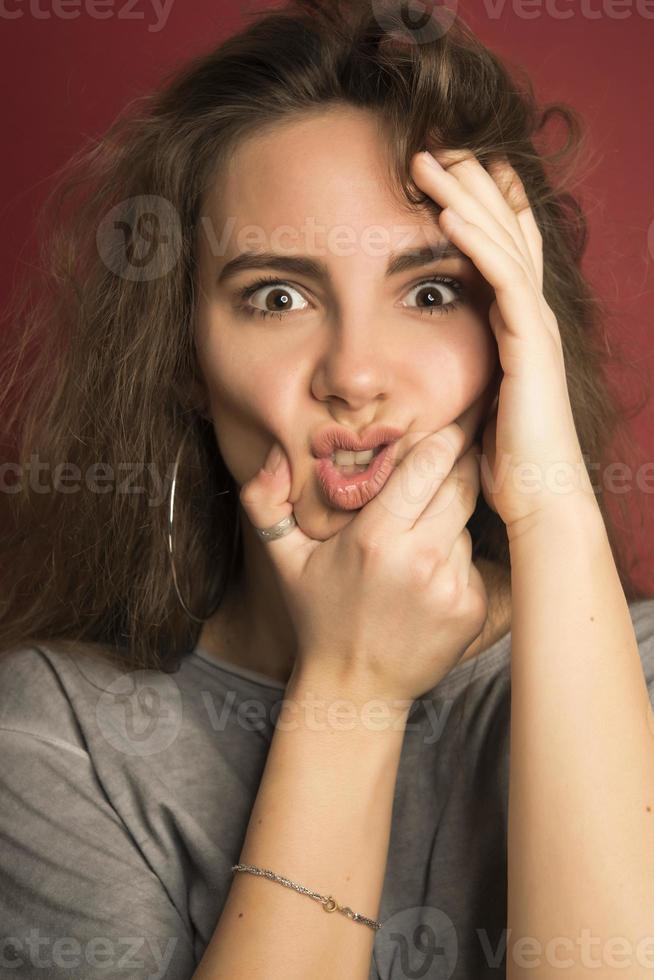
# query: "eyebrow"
305 265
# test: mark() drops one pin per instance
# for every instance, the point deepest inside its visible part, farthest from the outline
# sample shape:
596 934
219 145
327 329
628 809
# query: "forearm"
581 798
322 818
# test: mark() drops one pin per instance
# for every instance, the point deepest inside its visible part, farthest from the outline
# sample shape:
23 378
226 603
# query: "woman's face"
345 344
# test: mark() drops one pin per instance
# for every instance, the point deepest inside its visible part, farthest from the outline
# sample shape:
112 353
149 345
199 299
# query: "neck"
252 627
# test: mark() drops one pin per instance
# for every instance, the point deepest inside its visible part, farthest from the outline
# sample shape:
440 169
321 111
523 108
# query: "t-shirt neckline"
479 664
245 672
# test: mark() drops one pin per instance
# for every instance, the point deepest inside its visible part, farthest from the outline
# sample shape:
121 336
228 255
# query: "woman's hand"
390 603
531 457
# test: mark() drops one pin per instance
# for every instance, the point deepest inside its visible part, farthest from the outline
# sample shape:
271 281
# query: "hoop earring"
169 536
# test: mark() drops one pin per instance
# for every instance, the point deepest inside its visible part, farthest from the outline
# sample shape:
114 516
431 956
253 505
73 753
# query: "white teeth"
342 457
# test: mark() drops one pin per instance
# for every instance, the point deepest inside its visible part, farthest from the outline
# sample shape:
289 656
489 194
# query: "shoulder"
84 698
125 717
71 812
33 699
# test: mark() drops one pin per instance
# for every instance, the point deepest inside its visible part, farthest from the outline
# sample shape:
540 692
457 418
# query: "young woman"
249 670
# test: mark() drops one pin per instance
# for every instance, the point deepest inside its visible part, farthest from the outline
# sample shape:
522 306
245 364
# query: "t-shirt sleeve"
642 614
78 900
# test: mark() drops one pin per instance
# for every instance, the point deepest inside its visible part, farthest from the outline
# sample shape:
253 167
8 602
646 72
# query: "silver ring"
278 530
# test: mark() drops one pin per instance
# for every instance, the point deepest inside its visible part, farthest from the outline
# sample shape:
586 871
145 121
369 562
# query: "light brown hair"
97 363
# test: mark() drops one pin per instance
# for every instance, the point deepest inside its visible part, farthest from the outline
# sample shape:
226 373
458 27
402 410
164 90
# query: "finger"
502 192
265 501
420 463
518 300
448 191
513 191
451 506
496 185
459 578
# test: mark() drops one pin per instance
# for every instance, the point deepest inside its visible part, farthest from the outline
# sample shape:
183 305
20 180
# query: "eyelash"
443 310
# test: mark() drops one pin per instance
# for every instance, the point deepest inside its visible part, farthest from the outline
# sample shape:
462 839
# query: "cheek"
457 368
244 377
248 405
247 391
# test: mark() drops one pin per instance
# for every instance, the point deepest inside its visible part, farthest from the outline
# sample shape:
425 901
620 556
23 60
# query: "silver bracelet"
328 903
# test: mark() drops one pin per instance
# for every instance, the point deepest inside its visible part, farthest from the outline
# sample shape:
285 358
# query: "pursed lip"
333 438
351 492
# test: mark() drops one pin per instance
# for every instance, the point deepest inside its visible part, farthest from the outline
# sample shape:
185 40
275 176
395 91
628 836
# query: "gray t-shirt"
125 798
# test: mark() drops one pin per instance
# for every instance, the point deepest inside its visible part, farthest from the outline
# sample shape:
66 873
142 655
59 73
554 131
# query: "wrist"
336 698
567 513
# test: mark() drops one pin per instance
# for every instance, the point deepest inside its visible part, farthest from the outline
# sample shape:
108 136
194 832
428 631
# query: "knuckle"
248 494
476 609
422 571
369 546
438 554
448 589
466 539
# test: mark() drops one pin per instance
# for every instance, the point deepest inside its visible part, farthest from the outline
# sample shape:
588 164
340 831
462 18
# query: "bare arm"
386 606
322 818
581 797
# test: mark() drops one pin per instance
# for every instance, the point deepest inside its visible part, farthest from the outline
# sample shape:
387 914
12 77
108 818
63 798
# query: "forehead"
315 175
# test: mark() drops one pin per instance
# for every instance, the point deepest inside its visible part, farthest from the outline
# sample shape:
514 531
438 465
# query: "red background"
65 79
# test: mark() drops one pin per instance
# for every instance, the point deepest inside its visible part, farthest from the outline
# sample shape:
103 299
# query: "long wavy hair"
98 352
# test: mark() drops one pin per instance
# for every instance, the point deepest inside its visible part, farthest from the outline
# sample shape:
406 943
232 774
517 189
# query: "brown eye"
277 298
436 294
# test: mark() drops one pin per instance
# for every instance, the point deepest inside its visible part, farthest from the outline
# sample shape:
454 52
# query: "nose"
356 366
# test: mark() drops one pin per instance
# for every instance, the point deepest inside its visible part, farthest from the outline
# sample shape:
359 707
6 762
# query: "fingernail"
273 459
431 160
